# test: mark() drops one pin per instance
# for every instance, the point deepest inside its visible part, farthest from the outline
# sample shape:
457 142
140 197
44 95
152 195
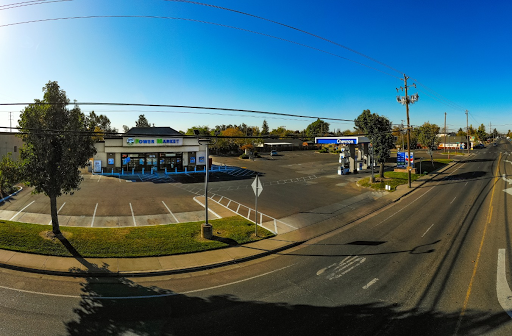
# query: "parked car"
479 146
273 152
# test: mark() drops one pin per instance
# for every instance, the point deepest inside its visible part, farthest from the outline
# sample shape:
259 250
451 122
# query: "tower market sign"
153 142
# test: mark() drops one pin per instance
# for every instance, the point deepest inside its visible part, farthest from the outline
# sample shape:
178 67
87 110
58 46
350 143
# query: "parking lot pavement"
294 183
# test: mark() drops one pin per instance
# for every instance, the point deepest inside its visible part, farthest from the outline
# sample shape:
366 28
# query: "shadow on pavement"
120 306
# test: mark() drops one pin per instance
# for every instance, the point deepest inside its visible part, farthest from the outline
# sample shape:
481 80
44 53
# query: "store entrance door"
151 161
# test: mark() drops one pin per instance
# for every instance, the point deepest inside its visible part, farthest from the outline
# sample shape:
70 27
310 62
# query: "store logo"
168 141
129 141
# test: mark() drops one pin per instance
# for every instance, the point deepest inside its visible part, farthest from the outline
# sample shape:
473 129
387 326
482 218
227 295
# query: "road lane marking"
94 214
502 289
58 211
489 216
370 283
342 268
21 211
404 207
466 184
133 216
427 230
176 219
453 199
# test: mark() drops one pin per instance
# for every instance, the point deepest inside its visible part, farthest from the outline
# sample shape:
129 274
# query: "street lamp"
206 228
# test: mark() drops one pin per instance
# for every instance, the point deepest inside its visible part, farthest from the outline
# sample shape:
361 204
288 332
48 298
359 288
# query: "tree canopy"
57 142
379 130
9 174
317 128
264 128
142 122
427 136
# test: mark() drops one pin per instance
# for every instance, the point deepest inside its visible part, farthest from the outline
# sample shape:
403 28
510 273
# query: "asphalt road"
435 263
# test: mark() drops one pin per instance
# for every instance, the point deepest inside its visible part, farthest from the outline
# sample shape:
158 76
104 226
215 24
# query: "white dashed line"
370 283
427 230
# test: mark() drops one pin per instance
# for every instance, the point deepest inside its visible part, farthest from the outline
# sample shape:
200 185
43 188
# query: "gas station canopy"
343 140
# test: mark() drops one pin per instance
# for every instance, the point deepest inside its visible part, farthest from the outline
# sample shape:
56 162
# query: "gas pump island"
354 154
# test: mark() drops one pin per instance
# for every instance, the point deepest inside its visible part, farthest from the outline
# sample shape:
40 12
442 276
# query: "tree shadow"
112 305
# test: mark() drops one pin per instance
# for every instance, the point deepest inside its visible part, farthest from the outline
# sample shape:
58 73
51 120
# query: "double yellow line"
489 217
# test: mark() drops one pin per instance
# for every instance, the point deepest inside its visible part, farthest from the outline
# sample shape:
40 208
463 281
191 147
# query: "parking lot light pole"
206 228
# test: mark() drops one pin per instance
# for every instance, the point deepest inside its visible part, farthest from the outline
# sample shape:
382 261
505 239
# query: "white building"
157 148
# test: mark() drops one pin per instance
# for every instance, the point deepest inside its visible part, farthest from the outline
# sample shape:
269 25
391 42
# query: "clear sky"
459 51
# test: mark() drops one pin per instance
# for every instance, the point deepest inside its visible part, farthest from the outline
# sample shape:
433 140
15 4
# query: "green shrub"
244 156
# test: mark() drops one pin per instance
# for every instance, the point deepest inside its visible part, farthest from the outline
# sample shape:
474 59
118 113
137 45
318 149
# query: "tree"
427 136
481 134
281 132
203 130
460 132
57 143
317 128
142 122
101 121
378 130
264 128
125 128
9 174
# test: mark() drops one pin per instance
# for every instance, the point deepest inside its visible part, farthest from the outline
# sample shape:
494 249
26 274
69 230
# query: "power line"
199 21
28 3
291 27
183 106
446 101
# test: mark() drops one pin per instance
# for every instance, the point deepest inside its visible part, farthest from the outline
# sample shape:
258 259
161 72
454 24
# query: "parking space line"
94 214
213 212
99 178
133 216
176 219
21 210
58 211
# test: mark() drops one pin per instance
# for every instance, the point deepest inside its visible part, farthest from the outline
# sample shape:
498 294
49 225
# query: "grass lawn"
394 179
130 241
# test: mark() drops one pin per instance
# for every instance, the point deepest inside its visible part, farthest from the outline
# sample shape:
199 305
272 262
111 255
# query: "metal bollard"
142 171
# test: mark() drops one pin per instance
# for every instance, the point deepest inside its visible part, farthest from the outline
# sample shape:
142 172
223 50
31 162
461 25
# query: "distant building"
449 141
10 143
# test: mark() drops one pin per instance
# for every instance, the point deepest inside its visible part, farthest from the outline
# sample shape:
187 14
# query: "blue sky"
458 50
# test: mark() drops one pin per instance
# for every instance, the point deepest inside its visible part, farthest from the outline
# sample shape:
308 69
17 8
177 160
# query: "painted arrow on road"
506 179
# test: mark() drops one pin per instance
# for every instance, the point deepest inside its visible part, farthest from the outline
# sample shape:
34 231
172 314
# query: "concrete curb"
11 195
134 274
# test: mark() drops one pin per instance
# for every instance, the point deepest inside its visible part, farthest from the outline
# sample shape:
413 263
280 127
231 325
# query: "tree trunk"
55 218
381 170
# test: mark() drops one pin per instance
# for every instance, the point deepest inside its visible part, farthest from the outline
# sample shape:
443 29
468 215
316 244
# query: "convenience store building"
157 148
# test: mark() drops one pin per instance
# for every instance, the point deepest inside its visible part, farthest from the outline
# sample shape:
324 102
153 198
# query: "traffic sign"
257 186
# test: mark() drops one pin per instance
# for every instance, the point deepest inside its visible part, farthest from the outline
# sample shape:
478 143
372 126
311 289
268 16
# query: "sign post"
258 188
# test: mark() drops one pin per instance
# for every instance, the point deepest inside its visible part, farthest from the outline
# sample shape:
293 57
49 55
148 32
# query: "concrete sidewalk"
175 264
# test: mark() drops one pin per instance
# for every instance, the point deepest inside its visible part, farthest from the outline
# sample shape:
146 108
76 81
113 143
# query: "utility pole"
467 131
444 132
10 121
402 134
406 100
